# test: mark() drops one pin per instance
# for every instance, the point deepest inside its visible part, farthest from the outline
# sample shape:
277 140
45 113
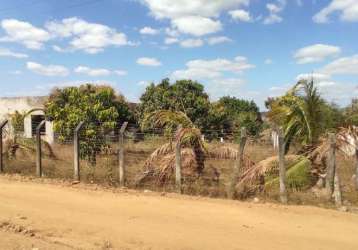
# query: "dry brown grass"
213 182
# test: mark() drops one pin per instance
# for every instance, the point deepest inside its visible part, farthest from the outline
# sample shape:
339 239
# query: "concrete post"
38 149
331 165
76 152
282 166
178 182
121 167
238 164
2 125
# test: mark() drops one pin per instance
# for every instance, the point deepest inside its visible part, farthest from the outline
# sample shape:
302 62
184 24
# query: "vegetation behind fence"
150 160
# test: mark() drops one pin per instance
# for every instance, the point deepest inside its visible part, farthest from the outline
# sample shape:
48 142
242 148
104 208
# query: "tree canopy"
99 107
186 96
231 113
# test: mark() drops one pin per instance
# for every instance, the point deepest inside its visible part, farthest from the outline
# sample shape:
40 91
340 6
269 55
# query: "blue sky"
251 49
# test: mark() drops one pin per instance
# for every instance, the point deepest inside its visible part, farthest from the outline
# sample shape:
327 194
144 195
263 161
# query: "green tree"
98 107
182 96
351 113
232 113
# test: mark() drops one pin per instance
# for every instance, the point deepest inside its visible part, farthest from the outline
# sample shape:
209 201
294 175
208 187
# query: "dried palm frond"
253 179
347 140
163 150
346 144
223 152
228 152
189 166
166 119
27 148
163 170
191 138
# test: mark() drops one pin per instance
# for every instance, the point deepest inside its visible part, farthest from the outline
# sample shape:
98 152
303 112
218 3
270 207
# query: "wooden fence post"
38 149
121 167
2 125
356 179
337 190
331 165
238 164
178 182
76 152
282 166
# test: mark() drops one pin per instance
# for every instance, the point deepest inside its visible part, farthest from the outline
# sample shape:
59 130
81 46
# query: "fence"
155 160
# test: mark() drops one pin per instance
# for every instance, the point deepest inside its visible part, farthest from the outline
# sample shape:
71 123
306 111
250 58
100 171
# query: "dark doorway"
35 121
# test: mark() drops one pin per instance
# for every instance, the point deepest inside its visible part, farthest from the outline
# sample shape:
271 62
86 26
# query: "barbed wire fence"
125 156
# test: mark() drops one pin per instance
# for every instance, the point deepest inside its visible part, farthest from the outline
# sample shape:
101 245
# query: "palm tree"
160 164
299 112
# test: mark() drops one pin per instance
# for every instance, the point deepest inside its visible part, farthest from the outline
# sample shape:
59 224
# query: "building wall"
9 105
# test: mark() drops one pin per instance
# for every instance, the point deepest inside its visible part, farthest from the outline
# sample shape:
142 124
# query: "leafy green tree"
182 96
98 107
333 117
232 113
351 113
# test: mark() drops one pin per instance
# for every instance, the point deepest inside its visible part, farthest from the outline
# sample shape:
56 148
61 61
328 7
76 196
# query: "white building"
33 107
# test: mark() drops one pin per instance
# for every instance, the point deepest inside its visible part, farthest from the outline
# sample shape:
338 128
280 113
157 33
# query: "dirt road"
47 216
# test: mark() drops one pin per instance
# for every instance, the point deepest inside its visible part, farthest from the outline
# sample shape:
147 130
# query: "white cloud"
224 86
316 53
143 83
342 66
209 69
47 70
196 25
171 40
274 10
8 53
92 72
330 89
121 72
348 11
89 37
98 71
179 8
240 15
218 39
268 61
148 31
172 32
317 77
193 17
148 61
192 43
24 33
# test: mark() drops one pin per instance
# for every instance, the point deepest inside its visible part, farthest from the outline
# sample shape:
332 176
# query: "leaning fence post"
2 125
38 149
282 166
76 152
331 165
178 182
238 164
121 167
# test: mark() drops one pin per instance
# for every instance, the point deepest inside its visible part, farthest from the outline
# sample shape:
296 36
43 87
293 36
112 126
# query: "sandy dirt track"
48 216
